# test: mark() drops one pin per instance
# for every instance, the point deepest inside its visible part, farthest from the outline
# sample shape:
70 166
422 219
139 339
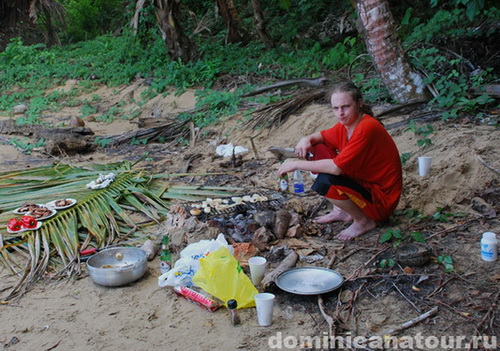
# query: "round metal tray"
309 280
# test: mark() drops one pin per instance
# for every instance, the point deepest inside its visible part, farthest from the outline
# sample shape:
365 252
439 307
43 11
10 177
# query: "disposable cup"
424 165
257 268
265 305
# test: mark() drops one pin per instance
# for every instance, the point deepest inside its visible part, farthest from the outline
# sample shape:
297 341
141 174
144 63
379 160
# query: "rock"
414 254
295 219
261 238
150 248
19 109
295 232
264 218
479 205
76 122
281 223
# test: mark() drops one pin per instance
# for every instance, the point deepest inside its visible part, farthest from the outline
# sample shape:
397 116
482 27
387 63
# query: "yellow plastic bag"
221 275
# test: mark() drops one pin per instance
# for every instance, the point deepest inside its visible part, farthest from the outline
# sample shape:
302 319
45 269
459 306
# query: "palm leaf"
97 219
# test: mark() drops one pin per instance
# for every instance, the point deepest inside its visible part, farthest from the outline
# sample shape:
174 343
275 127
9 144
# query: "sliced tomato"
29 222
14 225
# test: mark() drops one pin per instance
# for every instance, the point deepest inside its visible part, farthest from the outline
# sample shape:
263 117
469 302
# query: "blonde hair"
350 88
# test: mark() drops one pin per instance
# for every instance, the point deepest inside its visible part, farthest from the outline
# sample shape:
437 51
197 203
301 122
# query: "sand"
76 314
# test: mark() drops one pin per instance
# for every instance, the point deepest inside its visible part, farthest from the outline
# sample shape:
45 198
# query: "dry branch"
273 115
169 131
286 264
411 322
497 171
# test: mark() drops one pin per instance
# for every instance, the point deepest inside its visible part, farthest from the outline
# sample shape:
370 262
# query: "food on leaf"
27 207
63 203
41 212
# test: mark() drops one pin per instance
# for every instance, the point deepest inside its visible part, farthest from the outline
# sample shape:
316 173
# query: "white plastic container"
489 247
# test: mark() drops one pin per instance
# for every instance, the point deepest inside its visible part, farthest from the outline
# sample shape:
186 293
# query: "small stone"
19 109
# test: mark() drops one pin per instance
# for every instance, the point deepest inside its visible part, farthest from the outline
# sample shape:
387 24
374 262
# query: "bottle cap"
232 304
489 235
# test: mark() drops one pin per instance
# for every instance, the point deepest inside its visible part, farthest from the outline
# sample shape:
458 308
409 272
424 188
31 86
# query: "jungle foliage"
452 43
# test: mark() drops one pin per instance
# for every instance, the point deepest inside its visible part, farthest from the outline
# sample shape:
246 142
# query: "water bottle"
489 247
298 182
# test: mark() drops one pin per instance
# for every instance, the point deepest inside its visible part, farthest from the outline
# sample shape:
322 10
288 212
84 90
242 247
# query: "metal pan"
309 280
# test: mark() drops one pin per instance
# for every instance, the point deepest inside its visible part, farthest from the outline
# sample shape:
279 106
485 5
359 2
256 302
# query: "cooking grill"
274 202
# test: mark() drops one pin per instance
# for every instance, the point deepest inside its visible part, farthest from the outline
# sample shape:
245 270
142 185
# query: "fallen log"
57 140
303 82
286 264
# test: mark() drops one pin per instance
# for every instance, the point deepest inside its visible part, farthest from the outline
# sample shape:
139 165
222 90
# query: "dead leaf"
346 295
408 270
414 288
495 278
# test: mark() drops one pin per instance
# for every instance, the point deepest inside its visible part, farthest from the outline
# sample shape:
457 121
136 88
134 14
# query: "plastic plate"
52 204
16 211
38 225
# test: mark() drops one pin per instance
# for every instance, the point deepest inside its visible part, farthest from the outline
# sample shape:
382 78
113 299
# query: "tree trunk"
235 32
178 44
260 24
384 46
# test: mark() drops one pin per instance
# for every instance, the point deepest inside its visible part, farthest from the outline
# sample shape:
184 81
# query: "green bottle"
165 256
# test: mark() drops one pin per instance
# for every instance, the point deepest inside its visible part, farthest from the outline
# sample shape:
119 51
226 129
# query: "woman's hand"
286 167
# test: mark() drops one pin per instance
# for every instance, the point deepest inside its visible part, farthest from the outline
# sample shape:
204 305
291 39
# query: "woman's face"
345 109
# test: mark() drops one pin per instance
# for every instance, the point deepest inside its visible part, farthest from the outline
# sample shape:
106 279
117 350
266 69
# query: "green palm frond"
99 217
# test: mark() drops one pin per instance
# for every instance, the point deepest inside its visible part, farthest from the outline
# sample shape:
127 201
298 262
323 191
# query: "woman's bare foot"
356 229
336 215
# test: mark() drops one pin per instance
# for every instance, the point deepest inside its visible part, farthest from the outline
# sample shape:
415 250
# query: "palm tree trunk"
235 32
178 44
260 24
384 46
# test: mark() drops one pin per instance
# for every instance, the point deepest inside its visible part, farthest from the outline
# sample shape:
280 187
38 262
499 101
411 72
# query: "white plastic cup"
257 268
424 165
265 305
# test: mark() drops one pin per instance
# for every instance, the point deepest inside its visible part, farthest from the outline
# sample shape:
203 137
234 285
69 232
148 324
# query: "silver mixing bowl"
117 266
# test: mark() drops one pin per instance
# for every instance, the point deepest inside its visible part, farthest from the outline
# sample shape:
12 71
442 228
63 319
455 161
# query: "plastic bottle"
232 305
283 184
489 247
298 182
165 256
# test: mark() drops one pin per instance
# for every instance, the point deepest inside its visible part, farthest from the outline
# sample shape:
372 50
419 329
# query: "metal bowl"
117 266
309 280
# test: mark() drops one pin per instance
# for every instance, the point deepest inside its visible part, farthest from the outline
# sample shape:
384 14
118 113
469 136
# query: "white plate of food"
61 204
42 213
24 229
27 207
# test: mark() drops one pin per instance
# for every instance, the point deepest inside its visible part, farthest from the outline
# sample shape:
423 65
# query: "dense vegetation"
453 44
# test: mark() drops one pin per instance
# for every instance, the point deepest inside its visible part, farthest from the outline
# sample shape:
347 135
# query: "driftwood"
287 263
303 82
57 140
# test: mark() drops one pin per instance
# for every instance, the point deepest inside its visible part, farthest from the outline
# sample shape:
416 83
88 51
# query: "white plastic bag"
189 262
